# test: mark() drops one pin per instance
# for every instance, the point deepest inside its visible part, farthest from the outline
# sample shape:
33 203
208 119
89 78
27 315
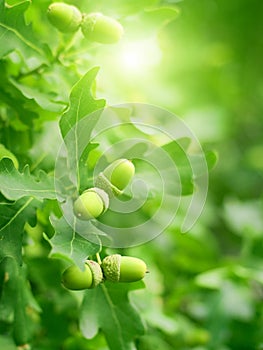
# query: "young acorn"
117 268
102 29
116 177
76 279
66 18
91 204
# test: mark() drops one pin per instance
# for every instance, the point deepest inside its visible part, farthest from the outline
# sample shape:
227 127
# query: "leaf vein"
17 214
114 316
23 39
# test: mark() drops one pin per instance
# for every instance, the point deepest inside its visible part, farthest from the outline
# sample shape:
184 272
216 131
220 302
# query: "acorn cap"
97 275
111 267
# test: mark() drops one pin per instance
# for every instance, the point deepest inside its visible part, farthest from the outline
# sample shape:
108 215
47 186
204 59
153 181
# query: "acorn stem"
98 258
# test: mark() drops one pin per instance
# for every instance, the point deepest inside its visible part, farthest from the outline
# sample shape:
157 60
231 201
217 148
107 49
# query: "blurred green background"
205 289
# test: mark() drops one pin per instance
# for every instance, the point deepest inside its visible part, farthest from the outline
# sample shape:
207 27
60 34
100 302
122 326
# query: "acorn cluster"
91 204
111 182
95 26
113 268
94 201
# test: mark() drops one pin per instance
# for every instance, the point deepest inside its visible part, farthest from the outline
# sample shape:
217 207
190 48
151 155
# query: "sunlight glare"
140 56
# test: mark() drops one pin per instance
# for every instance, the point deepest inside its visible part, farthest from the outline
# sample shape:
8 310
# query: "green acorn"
102 29
116 177
117 268
76 279
66 18
91 204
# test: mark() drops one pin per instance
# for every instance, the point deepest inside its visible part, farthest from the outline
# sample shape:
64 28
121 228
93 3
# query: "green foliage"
16 185
16 34
58 131
67 244
13 218
108 308
81 104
